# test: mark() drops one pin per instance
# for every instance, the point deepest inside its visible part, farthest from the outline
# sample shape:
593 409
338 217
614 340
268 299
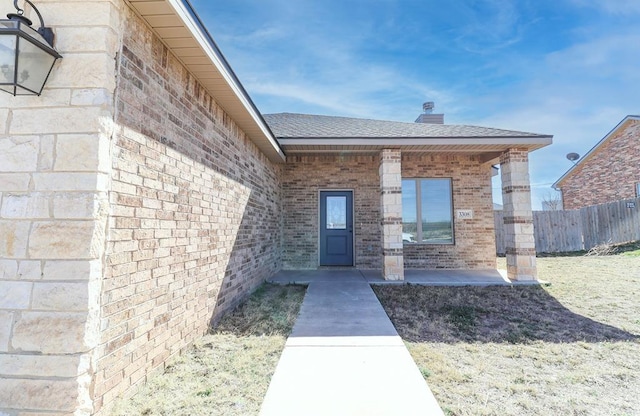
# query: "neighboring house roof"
305 132
178 26
594 149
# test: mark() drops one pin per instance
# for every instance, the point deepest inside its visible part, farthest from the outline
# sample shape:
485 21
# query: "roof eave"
229 94
534 142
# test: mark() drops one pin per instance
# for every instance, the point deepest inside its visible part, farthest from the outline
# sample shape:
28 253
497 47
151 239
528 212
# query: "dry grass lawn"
572 348
227 372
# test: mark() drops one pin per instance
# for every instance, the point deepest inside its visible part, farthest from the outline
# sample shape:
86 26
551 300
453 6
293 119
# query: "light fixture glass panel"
34 65
7 58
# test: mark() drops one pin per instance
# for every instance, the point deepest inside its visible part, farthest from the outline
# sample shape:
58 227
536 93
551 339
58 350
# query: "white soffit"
179 28
408 144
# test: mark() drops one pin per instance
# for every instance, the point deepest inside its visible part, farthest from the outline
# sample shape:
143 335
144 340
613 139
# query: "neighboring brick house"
609 172
143 195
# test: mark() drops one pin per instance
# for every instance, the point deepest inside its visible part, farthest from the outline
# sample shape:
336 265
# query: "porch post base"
521 267
393 268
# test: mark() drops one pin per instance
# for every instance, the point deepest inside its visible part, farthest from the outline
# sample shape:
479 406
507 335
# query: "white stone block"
86 39
8 269
84 70
55 395
68 13
15 294
50 332
19 154
6 323
46 154
14 181
49 98
74 205
63 240
30 269
60 296
67 270
4 116
32 205
40 365
56 120
92 97
13 239
76 152
66 181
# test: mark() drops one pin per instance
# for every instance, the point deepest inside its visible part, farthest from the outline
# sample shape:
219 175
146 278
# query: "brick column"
391 214
518 218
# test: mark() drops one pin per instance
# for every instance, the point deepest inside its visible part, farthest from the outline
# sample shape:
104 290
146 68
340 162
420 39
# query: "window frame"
418 205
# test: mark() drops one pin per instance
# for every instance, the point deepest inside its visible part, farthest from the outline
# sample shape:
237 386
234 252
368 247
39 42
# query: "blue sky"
570 68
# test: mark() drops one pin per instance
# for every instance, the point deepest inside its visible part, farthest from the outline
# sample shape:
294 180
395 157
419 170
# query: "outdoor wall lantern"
26 55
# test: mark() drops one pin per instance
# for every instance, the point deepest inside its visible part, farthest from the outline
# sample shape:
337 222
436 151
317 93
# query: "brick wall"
610 174
304 176
474 246
195 220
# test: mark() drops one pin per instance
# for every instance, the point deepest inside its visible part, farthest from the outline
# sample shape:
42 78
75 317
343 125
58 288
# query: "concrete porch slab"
444 277
304 277
440 277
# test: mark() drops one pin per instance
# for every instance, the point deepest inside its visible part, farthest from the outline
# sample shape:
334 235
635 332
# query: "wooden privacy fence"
580 229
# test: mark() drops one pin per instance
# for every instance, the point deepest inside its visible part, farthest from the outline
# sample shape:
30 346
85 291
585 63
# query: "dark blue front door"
336 228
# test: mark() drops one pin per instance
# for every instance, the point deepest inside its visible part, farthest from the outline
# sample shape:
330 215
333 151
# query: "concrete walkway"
344 357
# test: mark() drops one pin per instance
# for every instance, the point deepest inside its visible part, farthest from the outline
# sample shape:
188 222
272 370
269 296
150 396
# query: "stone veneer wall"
195 221
610 174
303 178
474 246
54 176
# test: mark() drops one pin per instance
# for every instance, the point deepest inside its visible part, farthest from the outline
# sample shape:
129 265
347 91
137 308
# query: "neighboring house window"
427 214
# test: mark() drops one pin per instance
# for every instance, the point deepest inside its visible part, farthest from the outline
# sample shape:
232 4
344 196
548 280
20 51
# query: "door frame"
353 216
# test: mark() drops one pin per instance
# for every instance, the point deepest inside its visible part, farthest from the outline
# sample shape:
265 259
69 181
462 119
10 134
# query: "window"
427 214
638 190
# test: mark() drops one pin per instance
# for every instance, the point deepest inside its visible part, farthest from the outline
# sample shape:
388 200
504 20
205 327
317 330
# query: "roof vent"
427 117
427 108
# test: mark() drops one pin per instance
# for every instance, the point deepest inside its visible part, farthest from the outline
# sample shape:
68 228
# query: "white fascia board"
416 141
212 51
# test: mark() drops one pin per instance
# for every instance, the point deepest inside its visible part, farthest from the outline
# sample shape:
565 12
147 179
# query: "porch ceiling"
180 29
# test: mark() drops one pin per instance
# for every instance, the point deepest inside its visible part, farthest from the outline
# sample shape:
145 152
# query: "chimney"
427 115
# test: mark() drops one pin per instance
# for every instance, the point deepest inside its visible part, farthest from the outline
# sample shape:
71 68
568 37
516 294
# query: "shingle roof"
289 125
